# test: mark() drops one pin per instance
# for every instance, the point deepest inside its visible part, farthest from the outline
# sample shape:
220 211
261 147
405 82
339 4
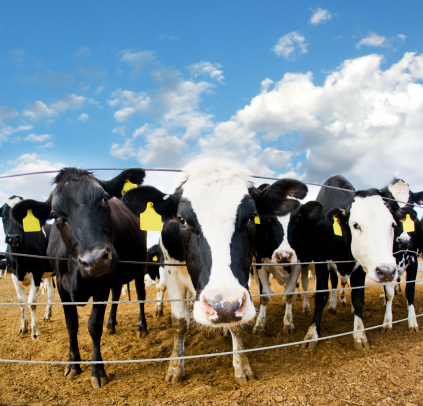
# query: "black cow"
209 223
406 243
94 232
27 271
367 225
156 273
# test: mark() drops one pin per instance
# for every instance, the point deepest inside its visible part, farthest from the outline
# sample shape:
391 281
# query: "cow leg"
288 320
161 288
320 300
50 294
342 296
112 321
389 294
20 292
32 298
264 286
304 285
358 278
409 292
72 325
243 371
180 323
333 299
95 328
140 288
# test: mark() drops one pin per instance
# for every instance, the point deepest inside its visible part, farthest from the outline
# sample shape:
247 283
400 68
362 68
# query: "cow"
207 242
27 271
406 243
273 246
3 267
355 226
156 274
91 237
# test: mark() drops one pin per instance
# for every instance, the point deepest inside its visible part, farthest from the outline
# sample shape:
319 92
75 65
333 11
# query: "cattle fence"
277 346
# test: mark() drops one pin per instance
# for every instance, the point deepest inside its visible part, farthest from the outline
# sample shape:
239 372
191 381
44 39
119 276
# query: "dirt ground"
390 373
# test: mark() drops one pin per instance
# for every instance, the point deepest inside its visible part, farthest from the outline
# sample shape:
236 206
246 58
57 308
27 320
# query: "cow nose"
219 310
403 243
283 257
96 260
386 273
13 239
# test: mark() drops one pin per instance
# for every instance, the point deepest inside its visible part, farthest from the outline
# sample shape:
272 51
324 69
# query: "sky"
287 88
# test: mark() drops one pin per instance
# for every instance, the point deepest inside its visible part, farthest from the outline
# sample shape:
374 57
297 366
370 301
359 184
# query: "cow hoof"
142 333
387 328
306 311
332 310
311 346
175 375
23 331
289 329
110 330
72 373
414 328
98 383
158 314
360 346
34 336
242 380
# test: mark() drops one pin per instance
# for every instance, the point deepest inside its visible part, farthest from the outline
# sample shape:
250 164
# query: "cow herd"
214 226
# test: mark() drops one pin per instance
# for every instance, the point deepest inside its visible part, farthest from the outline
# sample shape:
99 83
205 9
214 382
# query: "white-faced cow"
273 246
94 232
209 223
406 243
27 271
367 227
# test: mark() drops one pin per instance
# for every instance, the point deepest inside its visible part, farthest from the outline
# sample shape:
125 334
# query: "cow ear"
279 198
1 210
136 200
417 197
40 210
339 218
311 210
129 178
401 214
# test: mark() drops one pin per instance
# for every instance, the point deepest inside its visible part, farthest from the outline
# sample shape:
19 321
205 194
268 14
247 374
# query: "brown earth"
390 373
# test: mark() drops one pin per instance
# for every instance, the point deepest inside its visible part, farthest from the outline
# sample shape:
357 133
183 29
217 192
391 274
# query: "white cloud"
7 113
83 52
214 71
83 117
6 131
290 45
138 60
320 16
363 122
38 138
130 103
373 40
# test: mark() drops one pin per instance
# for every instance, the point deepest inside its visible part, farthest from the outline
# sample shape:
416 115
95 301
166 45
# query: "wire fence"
333 290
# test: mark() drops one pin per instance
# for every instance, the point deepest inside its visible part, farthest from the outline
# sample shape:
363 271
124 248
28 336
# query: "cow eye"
106 199
53 216
356 226
182 221
252 218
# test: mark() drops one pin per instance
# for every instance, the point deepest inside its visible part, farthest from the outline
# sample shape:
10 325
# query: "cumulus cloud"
290 45
320 16
373 40
38 138
83 117
38 110
6 131
209 69
138 60
363 122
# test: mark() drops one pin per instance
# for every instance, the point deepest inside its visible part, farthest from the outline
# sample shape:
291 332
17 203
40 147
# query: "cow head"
12 231
368 225
209 222
81 206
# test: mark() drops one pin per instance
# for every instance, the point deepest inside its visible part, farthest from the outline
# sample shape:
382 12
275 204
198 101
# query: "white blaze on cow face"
372 232
284 253
215 193
400 191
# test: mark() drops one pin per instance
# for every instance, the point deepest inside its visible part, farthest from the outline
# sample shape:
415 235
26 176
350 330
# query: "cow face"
12 231
209 221
81 207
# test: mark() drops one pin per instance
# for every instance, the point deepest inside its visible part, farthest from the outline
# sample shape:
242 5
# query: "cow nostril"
385 272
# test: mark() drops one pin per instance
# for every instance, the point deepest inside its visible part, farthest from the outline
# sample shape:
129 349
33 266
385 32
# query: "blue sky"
298 89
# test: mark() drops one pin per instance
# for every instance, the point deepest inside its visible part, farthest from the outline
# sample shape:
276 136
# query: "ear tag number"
155 258
150 220
336 227
257 220
31 223
128 185
408 225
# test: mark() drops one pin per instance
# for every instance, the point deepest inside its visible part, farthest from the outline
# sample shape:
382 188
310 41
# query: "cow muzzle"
386 273
13 239
285 257
97 262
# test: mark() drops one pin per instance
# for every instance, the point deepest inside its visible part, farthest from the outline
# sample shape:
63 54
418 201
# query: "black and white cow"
273 246
209 223
94 232
156 274
367 223
406 243
26 271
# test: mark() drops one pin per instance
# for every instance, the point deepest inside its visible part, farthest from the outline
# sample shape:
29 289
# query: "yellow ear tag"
336 227
155 258
150 220
408 225
128 185
257 220
31 223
